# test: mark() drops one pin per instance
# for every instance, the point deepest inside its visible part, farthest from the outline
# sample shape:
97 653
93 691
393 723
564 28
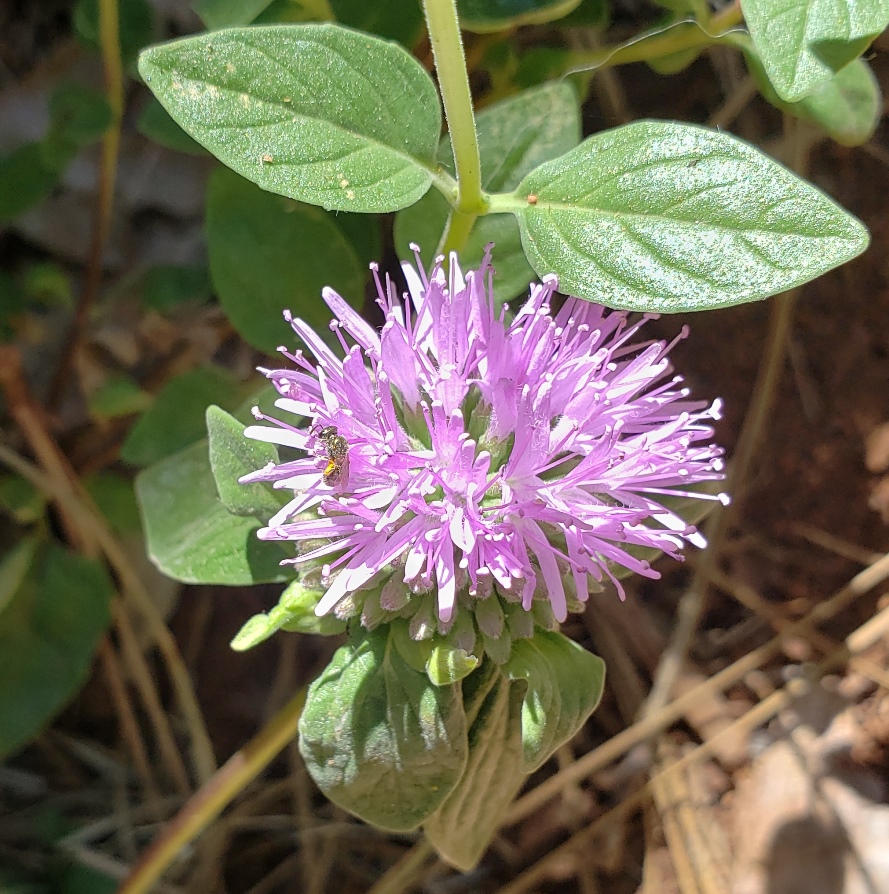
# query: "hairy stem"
453 82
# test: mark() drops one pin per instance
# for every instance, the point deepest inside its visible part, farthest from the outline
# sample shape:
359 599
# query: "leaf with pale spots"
318 113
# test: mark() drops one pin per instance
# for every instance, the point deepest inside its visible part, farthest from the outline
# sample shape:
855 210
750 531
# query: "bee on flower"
470 455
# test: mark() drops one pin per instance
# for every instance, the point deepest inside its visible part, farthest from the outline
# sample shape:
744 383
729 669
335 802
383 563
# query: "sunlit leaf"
662 216
232 456
318 113
565 685
806 42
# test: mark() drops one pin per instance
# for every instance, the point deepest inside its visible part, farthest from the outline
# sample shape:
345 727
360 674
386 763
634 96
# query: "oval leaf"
191 536
318 113
176 418
805 42
565 684
268 254
667 217
847 107
379 739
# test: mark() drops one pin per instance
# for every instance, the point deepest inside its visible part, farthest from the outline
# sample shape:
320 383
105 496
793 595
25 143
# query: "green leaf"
279 11
113 495
21 500
118 396
464 825
515 136
78 117
379 739
46 284
268 254
565 684
76 878
541 64
54 609
674 62
25 180
156 124
668 217
14 568
191 536
392 19
295 612
226 13
263 399
166 286
318 113
806 42
847 107
176 419
362 232
590 14
498 15
232 456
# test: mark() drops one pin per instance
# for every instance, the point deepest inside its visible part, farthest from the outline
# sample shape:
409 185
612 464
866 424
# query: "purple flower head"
457 454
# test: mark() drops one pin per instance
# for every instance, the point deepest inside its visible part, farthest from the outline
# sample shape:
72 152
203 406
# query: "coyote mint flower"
457 455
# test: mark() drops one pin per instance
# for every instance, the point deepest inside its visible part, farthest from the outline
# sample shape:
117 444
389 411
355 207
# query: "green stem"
453 82
666 42
109 40
456 232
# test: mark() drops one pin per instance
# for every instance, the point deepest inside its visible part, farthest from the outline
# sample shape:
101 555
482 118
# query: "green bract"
379 739
384 742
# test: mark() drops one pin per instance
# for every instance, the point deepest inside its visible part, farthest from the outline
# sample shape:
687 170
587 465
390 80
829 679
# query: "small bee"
337 451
